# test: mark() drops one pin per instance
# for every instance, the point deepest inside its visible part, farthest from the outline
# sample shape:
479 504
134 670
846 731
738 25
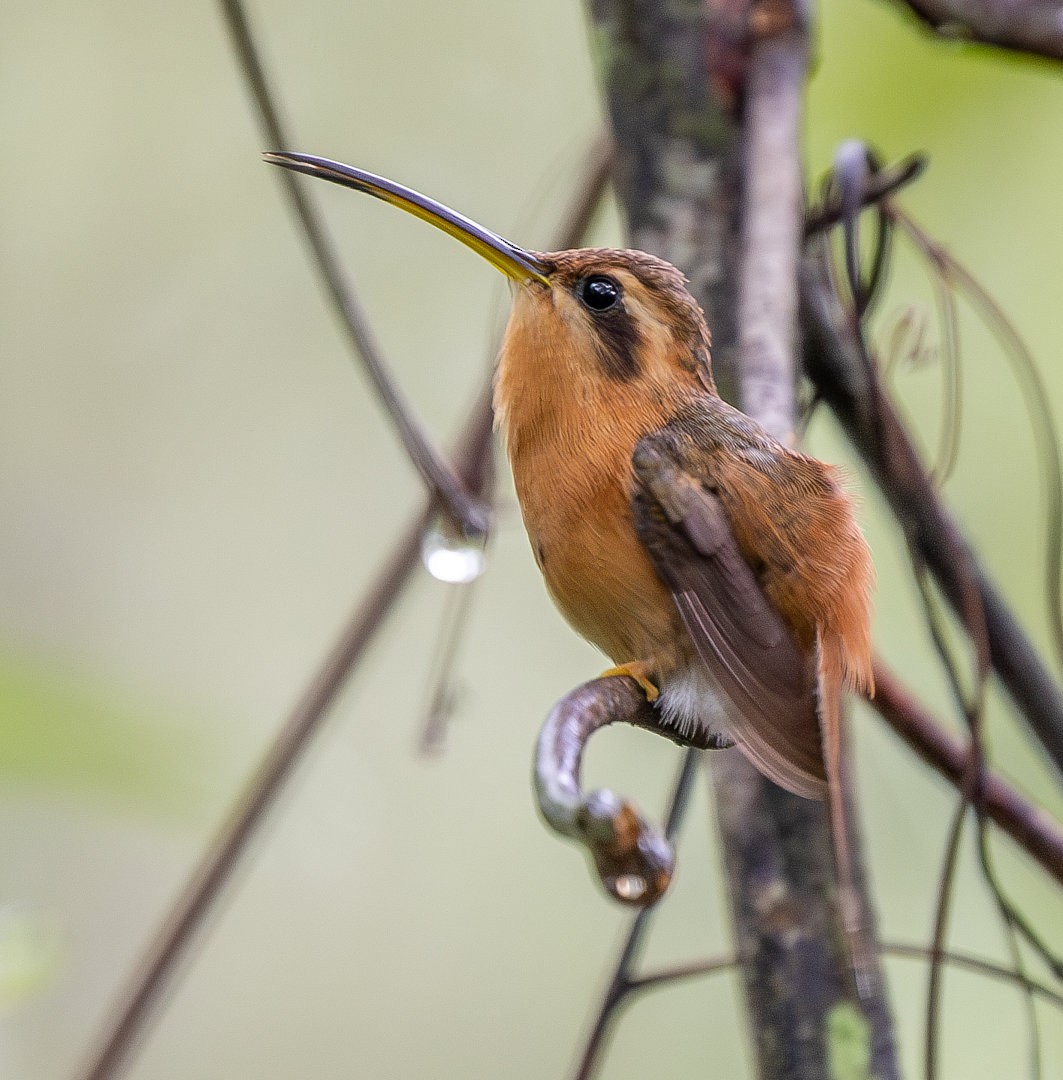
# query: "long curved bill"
513 261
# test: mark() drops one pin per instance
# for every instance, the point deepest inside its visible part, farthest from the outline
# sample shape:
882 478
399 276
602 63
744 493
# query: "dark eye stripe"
615 331
619 342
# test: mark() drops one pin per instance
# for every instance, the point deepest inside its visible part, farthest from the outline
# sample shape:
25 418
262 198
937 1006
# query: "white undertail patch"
690 703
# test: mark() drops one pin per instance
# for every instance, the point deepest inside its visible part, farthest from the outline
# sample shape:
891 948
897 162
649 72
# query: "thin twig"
951 957
693 970
883 183
1011 915
953 273
467 510
952 399
1027 824
981 966
442 693
1014 924
973 784
937 945
970 794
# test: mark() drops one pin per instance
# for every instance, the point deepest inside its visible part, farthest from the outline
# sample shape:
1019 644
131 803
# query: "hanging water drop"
449 556
630 887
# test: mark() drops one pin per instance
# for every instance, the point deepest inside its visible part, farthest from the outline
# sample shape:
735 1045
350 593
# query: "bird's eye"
598 292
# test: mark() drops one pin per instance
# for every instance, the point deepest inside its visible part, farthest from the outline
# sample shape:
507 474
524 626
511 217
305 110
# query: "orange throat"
570 433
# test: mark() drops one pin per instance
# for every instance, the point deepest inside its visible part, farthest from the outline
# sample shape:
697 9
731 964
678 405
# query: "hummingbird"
719 568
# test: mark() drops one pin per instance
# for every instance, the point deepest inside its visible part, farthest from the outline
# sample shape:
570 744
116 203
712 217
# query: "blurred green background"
196 488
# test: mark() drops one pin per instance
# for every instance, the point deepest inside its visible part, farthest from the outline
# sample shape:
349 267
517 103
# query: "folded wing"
746 647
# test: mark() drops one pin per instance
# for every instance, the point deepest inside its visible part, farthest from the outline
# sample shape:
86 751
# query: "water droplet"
630 886
449 556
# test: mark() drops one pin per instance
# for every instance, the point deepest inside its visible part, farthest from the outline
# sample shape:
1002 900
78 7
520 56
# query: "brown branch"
694 969
1036 832
942 914
632 857
880 185
1034 27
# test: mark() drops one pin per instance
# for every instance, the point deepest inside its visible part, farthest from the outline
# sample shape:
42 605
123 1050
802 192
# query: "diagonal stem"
465 508
1027 824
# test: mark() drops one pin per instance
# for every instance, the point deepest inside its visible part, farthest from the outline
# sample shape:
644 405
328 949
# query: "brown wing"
793 521
768 681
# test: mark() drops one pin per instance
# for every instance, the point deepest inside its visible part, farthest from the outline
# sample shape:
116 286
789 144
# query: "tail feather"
830 669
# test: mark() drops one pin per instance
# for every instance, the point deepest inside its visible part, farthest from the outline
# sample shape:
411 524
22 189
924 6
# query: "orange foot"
638 670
